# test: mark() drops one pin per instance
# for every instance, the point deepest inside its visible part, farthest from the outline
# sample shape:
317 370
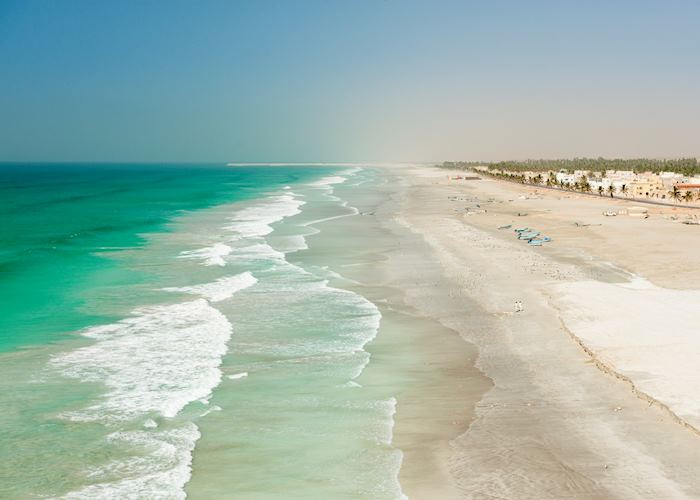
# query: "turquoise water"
61 222
159 338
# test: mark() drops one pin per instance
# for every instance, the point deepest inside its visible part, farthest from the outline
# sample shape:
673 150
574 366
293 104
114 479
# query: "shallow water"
189 344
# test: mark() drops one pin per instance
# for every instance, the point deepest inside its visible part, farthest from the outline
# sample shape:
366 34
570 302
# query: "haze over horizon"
363 81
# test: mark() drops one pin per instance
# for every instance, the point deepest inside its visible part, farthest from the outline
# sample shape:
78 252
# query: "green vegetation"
684 166
675 194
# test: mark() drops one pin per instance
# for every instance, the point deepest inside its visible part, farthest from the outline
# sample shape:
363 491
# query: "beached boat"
529 235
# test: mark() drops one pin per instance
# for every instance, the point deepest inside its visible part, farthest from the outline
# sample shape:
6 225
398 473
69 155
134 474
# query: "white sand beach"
592 384
643 332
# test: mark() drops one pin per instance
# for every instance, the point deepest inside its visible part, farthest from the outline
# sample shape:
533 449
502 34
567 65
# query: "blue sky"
347 81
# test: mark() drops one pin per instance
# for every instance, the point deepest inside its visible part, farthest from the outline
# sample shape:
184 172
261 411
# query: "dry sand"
555 421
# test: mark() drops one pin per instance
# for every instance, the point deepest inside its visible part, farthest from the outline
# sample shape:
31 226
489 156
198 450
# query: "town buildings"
622 183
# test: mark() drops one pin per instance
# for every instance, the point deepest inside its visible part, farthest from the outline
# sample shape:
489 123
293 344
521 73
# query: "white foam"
157 360
297 284
210 410
353 211
254 221
150 424
212 256
154 362
257 251
330 180
159 468
237 376
352 171
218 290
292 243
335 179
351 384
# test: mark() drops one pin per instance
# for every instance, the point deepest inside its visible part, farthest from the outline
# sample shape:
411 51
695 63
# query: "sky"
315 81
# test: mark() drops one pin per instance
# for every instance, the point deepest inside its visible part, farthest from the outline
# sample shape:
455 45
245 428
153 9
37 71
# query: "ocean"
159 338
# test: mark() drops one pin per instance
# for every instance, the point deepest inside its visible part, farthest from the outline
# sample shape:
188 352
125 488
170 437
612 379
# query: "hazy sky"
346 80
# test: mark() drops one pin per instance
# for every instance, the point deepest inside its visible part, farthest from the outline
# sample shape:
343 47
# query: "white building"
670 179
564 177
620 176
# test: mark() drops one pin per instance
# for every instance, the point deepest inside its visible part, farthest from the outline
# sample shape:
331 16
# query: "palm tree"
611 190
675 194
688 196
600 190
623 189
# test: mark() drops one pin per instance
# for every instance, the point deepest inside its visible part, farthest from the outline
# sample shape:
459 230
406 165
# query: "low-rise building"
648 186
620 176
565 177
670 179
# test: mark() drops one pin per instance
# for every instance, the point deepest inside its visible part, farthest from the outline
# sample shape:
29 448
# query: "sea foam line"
221 289
153 364
390 405
162 473
155 361
255 220
212 256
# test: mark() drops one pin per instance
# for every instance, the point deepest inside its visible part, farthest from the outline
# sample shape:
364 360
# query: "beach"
589 389
349 250
347 331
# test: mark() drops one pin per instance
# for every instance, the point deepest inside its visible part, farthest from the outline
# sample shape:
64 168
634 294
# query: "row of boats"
532 236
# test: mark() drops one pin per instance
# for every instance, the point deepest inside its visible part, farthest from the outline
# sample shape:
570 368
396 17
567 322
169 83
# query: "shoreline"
422 362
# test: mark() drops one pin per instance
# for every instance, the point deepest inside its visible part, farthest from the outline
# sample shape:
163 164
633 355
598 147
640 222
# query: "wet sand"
428 367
